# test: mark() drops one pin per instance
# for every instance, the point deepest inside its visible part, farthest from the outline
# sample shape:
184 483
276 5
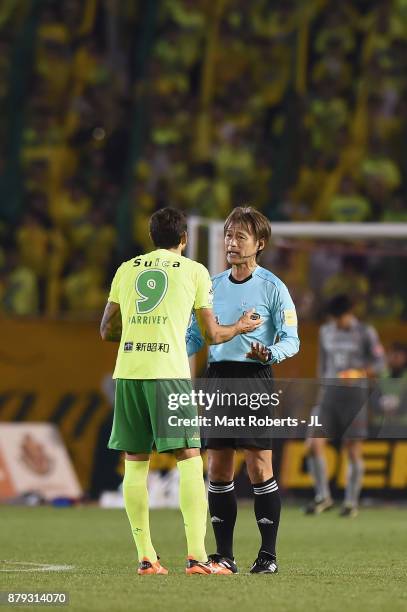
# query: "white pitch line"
37 567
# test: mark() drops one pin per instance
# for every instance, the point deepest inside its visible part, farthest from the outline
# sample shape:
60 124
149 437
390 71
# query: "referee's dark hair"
167 227
339 305
252 221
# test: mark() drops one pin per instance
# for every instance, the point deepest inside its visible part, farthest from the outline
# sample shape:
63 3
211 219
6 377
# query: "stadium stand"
110 112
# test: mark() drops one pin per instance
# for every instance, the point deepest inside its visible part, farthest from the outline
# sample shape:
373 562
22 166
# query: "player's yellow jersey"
157 293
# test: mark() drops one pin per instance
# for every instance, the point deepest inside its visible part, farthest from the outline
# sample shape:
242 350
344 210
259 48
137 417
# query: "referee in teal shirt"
242 287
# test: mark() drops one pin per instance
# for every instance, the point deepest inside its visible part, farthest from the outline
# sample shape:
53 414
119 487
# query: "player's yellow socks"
193 504
135 495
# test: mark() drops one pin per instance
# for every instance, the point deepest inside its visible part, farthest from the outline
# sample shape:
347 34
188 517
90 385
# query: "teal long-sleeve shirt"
270 298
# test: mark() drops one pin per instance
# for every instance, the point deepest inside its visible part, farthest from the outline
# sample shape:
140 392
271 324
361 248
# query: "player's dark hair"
339 305
252 221
167 227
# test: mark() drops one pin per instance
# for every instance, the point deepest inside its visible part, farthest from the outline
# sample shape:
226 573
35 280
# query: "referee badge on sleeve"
290 317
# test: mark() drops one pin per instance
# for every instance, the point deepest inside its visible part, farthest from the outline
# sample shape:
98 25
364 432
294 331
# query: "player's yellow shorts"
141 417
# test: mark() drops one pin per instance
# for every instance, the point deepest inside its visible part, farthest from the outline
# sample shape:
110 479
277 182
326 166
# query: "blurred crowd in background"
112 109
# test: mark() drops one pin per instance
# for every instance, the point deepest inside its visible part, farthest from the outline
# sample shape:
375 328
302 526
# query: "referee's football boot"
265 564
222 565
317 507
197 567
147 567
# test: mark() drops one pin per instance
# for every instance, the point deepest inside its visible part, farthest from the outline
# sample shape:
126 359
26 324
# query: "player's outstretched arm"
111 324
193 338
216 334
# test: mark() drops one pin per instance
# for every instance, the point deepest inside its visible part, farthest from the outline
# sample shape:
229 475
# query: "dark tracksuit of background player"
342 410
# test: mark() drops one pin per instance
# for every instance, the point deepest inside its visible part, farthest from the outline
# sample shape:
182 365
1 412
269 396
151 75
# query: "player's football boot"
222 565
264 564
348 511
147 567
317 507
197 567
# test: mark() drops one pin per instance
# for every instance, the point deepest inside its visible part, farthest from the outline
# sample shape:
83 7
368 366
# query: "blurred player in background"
396 361
246 285
149 306
348 349
390 405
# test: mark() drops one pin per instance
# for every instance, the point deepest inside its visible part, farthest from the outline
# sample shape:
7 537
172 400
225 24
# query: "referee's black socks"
267 507
223 510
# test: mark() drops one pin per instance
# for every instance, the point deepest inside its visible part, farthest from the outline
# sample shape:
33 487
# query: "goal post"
374 233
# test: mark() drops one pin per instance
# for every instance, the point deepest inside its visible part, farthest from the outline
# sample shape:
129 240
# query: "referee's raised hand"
259 352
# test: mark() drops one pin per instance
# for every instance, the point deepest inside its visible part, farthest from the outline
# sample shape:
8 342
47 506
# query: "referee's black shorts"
240 370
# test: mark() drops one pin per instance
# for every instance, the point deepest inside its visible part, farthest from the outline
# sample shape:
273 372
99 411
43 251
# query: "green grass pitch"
326 563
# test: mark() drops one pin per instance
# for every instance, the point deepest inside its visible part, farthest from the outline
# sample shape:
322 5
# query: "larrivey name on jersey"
147 320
